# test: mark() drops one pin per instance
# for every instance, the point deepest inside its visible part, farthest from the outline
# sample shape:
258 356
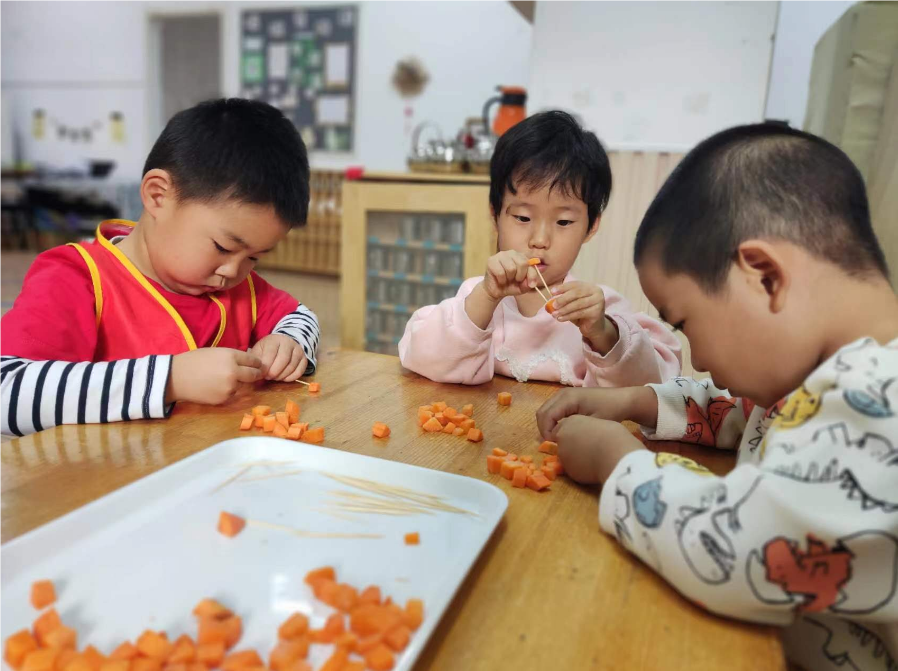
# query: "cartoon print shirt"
803 532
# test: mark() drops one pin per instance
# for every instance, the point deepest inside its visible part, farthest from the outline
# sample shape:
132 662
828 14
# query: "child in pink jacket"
550 182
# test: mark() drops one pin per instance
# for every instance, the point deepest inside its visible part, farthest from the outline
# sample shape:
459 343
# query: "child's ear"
157 191
764 266
593 229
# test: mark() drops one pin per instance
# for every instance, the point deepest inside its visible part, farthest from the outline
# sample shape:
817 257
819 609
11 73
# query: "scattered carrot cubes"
268 423
519 477
40 660
459 431
449 428
279 431
504 398
398 638
314 387
283 419
229 525
380 430
44 624
293 627
468 410
414 613
247 423
548 447
42 594
433 425
261 410
18 646
315 435
475 435
538 481
154 644
293 411
412 538
494 464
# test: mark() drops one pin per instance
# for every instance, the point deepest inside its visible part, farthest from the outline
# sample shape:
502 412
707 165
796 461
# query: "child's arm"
809 527
286 334
645 351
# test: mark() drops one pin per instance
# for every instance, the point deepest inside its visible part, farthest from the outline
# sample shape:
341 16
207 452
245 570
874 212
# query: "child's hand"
638 404
590 448
583 305
508 274
211 375
282 358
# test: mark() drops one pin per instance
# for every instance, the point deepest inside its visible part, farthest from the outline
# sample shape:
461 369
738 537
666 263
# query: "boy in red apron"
168 308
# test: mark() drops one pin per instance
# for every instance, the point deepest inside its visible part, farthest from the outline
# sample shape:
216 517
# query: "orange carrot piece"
294 432
279 431
67 656
18 646
439 406
370 594
259 421
441 418
450 413
532 262
504 398
230 525
413 538
315 435
370 619
184 651
334 626
293 411
211 654
211 608
475 435
507 469
519 479
368 643
41 660
468 424
398 638
346 598
94 657
226 631
380 659
299 665
423 416
494 464
538 482
154 644
511 456
527 459
380 430
548 447
468 410
459 432
262 410
117 665
499 452
337 661
61 638
549 458
146 664
323 573
347 640
428 408
44 624
294 626
354 666
268 423
314 387
449 428
178 666
549 471
550 306
283 419
242 660
126 651
247 422
287 652
193 666
433 425
413 615
42 594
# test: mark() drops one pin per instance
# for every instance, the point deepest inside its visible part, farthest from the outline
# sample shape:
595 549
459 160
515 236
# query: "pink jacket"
443 344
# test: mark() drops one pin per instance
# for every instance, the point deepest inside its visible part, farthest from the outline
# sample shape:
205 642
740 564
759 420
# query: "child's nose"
540 236
229 270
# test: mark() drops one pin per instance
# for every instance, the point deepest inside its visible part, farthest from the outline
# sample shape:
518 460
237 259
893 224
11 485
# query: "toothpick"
301 382
548 290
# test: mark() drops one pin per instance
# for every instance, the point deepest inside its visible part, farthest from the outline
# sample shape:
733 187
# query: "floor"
320 293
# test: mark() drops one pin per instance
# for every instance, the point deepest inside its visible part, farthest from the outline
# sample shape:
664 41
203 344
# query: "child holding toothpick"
527 317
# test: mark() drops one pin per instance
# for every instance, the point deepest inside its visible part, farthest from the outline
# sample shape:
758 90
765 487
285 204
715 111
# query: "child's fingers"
510 268
280 363
589 314
576 305
296 357
248 373
250 358
299 370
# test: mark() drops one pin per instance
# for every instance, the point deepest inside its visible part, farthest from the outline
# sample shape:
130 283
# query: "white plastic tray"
144 555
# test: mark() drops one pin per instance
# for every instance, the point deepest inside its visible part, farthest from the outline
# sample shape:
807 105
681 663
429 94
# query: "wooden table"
550 591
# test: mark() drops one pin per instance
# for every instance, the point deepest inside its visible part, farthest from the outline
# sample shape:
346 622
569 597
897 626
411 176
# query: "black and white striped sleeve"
302 326
38 395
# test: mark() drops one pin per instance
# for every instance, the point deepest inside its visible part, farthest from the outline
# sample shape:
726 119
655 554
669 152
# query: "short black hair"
760 181
551 148
235 149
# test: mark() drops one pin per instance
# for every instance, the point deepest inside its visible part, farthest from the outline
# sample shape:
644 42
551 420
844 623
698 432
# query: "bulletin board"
302 61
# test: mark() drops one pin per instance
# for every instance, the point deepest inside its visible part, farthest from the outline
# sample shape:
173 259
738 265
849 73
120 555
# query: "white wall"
800 26
78 59
653 75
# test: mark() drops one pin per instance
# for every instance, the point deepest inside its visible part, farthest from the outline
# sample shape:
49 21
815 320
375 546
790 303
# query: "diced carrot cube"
380 658
468 410
499 452
413 538
380 430
368 643
283 419
468 424
549 458
398 638
370 595
279 431
519 479
126 651
549 471
196 666
69 655
507 469
44 624
242 660
154 644
449 428
538 482
315 435
146 664
504 398
184 651
527 459
548 447
18 646
494 464
262 410
413 615
230 525
294 626
43 659
259 422
423 416
42 594
428 408
211 608
314 387
533 262
550 306
370 619
287 652
475 435
294 432
293 411
211 654
459 432
337 661
117 665
94 657
439 406
450 413
441 418
323 573
345 598
247 422
334 626
226 631
233 630
177 666
268 423
299 665
354 666
433 425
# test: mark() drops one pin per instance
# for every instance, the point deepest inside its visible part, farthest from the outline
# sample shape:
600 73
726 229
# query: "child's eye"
565 222
220 248
522 219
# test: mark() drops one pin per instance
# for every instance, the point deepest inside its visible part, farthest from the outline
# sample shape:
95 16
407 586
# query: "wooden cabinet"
408 240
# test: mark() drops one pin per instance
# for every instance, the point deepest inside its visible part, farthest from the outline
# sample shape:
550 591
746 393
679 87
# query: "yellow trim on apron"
224 320
252 295
95 279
